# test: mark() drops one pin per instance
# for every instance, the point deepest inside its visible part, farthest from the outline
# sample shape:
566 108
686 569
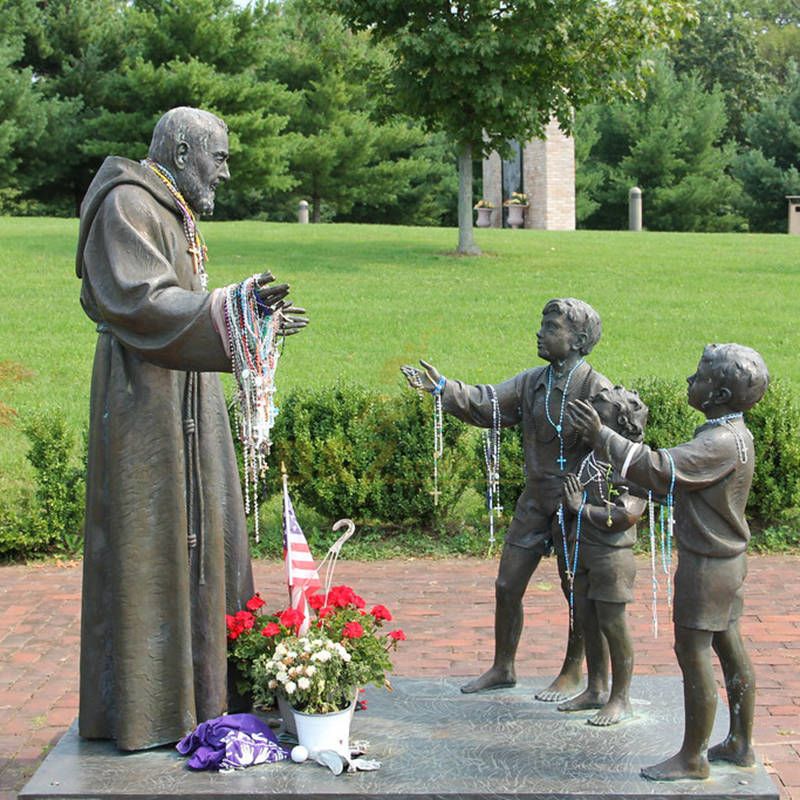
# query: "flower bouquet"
320 670
517 199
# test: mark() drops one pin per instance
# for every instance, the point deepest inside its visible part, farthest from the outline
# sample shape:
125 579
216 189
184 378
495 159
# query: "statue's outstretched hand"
425 379
289 322
585 420
269 296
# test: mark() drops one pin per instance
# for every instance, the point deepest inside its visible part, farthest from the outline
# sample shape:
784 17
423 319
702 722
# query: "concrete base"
434 742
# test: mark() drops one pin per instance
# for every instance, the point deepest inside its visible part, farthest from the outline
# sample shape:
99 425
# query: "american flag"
301 572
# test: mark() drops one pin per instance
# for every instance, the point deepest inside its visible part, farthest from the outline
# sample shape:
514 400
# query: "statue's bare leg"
595 695
693 648
569 680
612 624
517 564
740 684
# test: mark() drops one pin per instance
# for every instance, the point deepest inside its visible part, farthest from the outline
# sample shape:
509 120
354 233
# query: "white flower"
273 684
322 655
310 670
304 683
290 687
282 677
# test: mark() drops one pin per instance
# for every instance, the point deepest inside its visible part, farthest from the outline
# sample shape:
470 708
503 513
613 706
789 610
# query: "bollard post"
635 209
794 214
302 212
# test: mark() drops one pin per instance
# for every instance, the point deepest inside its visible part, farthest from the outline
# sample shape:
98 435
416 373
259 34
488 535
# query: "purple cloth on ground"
232 741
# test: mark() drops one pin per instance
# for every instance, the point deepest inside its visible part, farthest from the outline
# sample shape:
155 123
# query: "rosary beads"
253 336
558 426
197 246
571 569
491 455
438 435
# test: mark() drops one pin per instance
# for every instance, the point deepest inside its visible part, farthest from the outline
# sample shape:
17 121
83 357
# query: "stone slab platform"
434 743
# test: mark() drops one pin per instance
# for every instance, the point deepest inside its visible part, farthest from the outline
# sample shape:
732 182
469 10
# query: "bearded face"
205 166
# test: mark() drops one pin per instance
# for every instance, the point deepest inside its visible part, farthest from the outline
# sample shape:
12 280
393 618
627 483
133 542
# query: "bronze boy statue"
601 515
711 475
537 399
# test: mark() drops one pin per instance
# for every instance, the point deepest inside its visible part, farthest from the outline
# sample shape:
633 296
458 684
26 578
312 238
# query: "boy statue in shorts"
601 514
537 400
711 475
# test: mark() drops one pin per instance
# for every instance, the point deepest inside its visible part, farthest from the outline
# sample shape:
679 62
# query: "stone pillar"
493 187
635 209
794 214
302 212
549 181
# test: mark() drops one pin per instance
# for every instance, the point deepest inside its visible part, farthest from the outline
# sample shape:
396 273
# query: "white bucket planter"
324 731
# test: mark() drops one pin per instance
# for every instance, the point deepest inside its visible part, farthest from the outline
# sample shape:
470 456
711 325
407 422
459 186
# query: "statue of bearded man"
166 550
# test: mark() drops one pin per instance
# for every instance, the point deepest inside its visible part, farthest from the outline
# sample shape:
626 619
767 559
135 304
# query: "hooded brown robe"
166 551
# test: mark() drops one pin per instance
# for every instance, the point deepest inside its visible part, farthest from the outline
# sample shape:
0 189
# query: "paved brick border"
446 609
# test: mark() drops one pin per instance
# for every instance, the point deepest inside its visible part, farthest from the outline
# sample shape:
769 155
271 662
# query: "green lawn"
382 296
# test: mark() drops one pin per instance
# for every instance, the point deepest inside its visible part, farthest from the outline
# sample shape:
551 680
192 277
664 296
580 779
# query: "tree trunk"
466 242
316 208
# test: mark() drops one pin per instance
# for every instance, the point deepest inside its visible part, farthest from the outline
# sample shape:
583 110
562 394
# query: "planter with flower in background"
516 205
485 210
317 673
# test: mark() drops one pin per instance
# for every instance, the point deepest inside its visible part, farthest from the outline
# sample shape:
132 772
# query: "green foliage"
670 146
352 452
671 419
349 148
775 425
51 520
722 50
769 168
487 71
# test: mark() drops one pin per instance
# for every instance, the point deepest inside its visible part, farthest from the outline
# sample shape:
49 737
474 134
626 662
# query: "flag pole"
284 515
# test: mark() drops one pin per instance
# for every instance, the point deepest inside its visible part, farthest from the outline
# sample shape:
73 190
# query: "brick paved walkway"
446 609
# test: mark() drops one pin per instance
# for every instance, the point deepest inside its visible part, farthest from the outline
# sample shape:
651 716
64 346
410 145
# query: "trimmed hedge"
351 451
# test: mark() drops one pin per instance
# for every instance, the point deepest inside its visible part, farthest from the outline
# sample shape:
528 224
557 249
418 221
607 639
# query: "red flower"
324 611
352 630
254 603
291 618
316 601
397 635
245 619
343 596
381 612
234 627
271 629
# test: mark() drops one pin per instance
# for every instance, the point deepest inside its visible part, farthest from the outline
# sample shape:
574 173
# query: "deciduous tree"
485 71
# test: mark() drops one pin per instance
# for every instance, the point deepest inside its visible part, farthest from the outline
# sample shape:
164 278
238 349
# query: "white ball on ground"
299 754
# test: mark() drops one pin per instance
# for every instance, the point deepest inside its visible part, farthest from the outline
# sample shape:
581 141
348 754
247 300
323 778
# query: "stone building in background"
545 170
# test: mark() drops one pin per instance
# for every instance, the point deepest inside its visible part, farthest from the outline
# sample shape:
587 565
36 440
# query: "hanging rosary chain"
253 338
197 246
571 568
491 456
438 435
558 426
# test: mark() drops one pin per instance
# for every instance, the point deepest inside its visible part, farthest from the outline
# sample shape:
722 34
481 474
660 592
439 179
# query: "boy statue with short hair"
601 514
711 476
537 399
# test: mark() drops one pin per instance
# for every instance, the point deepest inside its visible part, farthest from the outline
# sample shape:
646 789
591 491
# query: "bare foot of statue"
494 678
677 768
562 688
734 752
611 713
587 699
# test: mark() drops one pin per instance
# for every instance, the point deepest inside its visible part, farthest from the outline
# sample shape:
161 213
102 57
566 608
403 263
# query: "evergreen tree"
769 168
671 146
